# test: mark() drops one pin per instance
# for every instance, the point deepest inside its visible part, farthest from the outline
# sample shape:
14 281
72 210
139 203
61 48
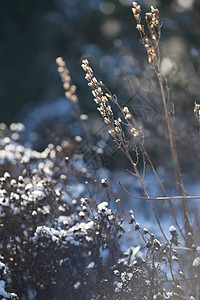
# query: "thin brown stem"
163 189
174 152
146 193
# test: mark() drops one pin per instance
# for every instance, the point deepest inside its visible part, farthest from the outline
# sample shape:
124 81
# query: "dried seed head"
106 120
134 4
117 129
137 18
134 11
116 122
70 89
125 110
99 97
148 17
111 132
139 27
154 37
152 9
85 64
135 132
60 62
128 116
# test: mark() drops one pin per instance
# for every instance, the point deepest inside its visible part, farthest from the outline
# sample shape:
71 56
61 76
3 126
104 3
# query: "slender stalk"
173 149
146 193
163 189
151 43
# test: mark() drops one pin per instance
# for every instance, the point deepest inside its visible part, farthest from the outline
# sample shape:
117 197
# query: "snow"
102 208
77 285
2 265
89 225
2 289
4 201
172 229
66 220
91 265
116 272
44 230
37 195
119 287
196 262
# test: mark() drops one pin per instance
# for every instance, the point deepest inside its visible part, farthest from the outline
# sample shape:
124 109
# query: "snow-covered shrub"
5 283
52 238
61 232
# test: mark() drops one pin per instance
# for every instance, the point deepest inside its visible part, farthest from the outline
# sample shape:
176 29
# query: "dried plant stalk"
151 44
116 130
70 89
70 93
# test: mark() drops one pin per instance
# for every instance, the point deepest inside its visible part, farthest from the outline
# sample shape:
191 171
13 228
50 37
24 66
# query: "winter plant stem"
173 149
146 193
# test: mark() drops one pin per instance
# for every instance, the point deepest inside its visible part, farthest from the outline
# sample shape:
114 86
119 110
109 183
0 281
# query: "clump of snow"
2 289
196 262
91 265
172 230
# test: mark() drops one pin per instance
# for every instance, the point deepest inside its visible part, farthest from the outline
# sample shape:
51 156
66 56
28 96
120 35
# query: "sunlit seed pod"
126 110
139 27
128 116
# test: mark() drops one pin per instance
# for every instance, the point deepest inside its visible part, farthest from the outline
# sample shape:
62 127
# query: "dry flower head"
152 21
70 89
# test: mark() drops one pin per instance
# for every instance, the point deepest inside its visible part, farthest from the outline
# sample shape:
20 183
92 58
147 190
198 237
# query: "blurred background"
33 34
